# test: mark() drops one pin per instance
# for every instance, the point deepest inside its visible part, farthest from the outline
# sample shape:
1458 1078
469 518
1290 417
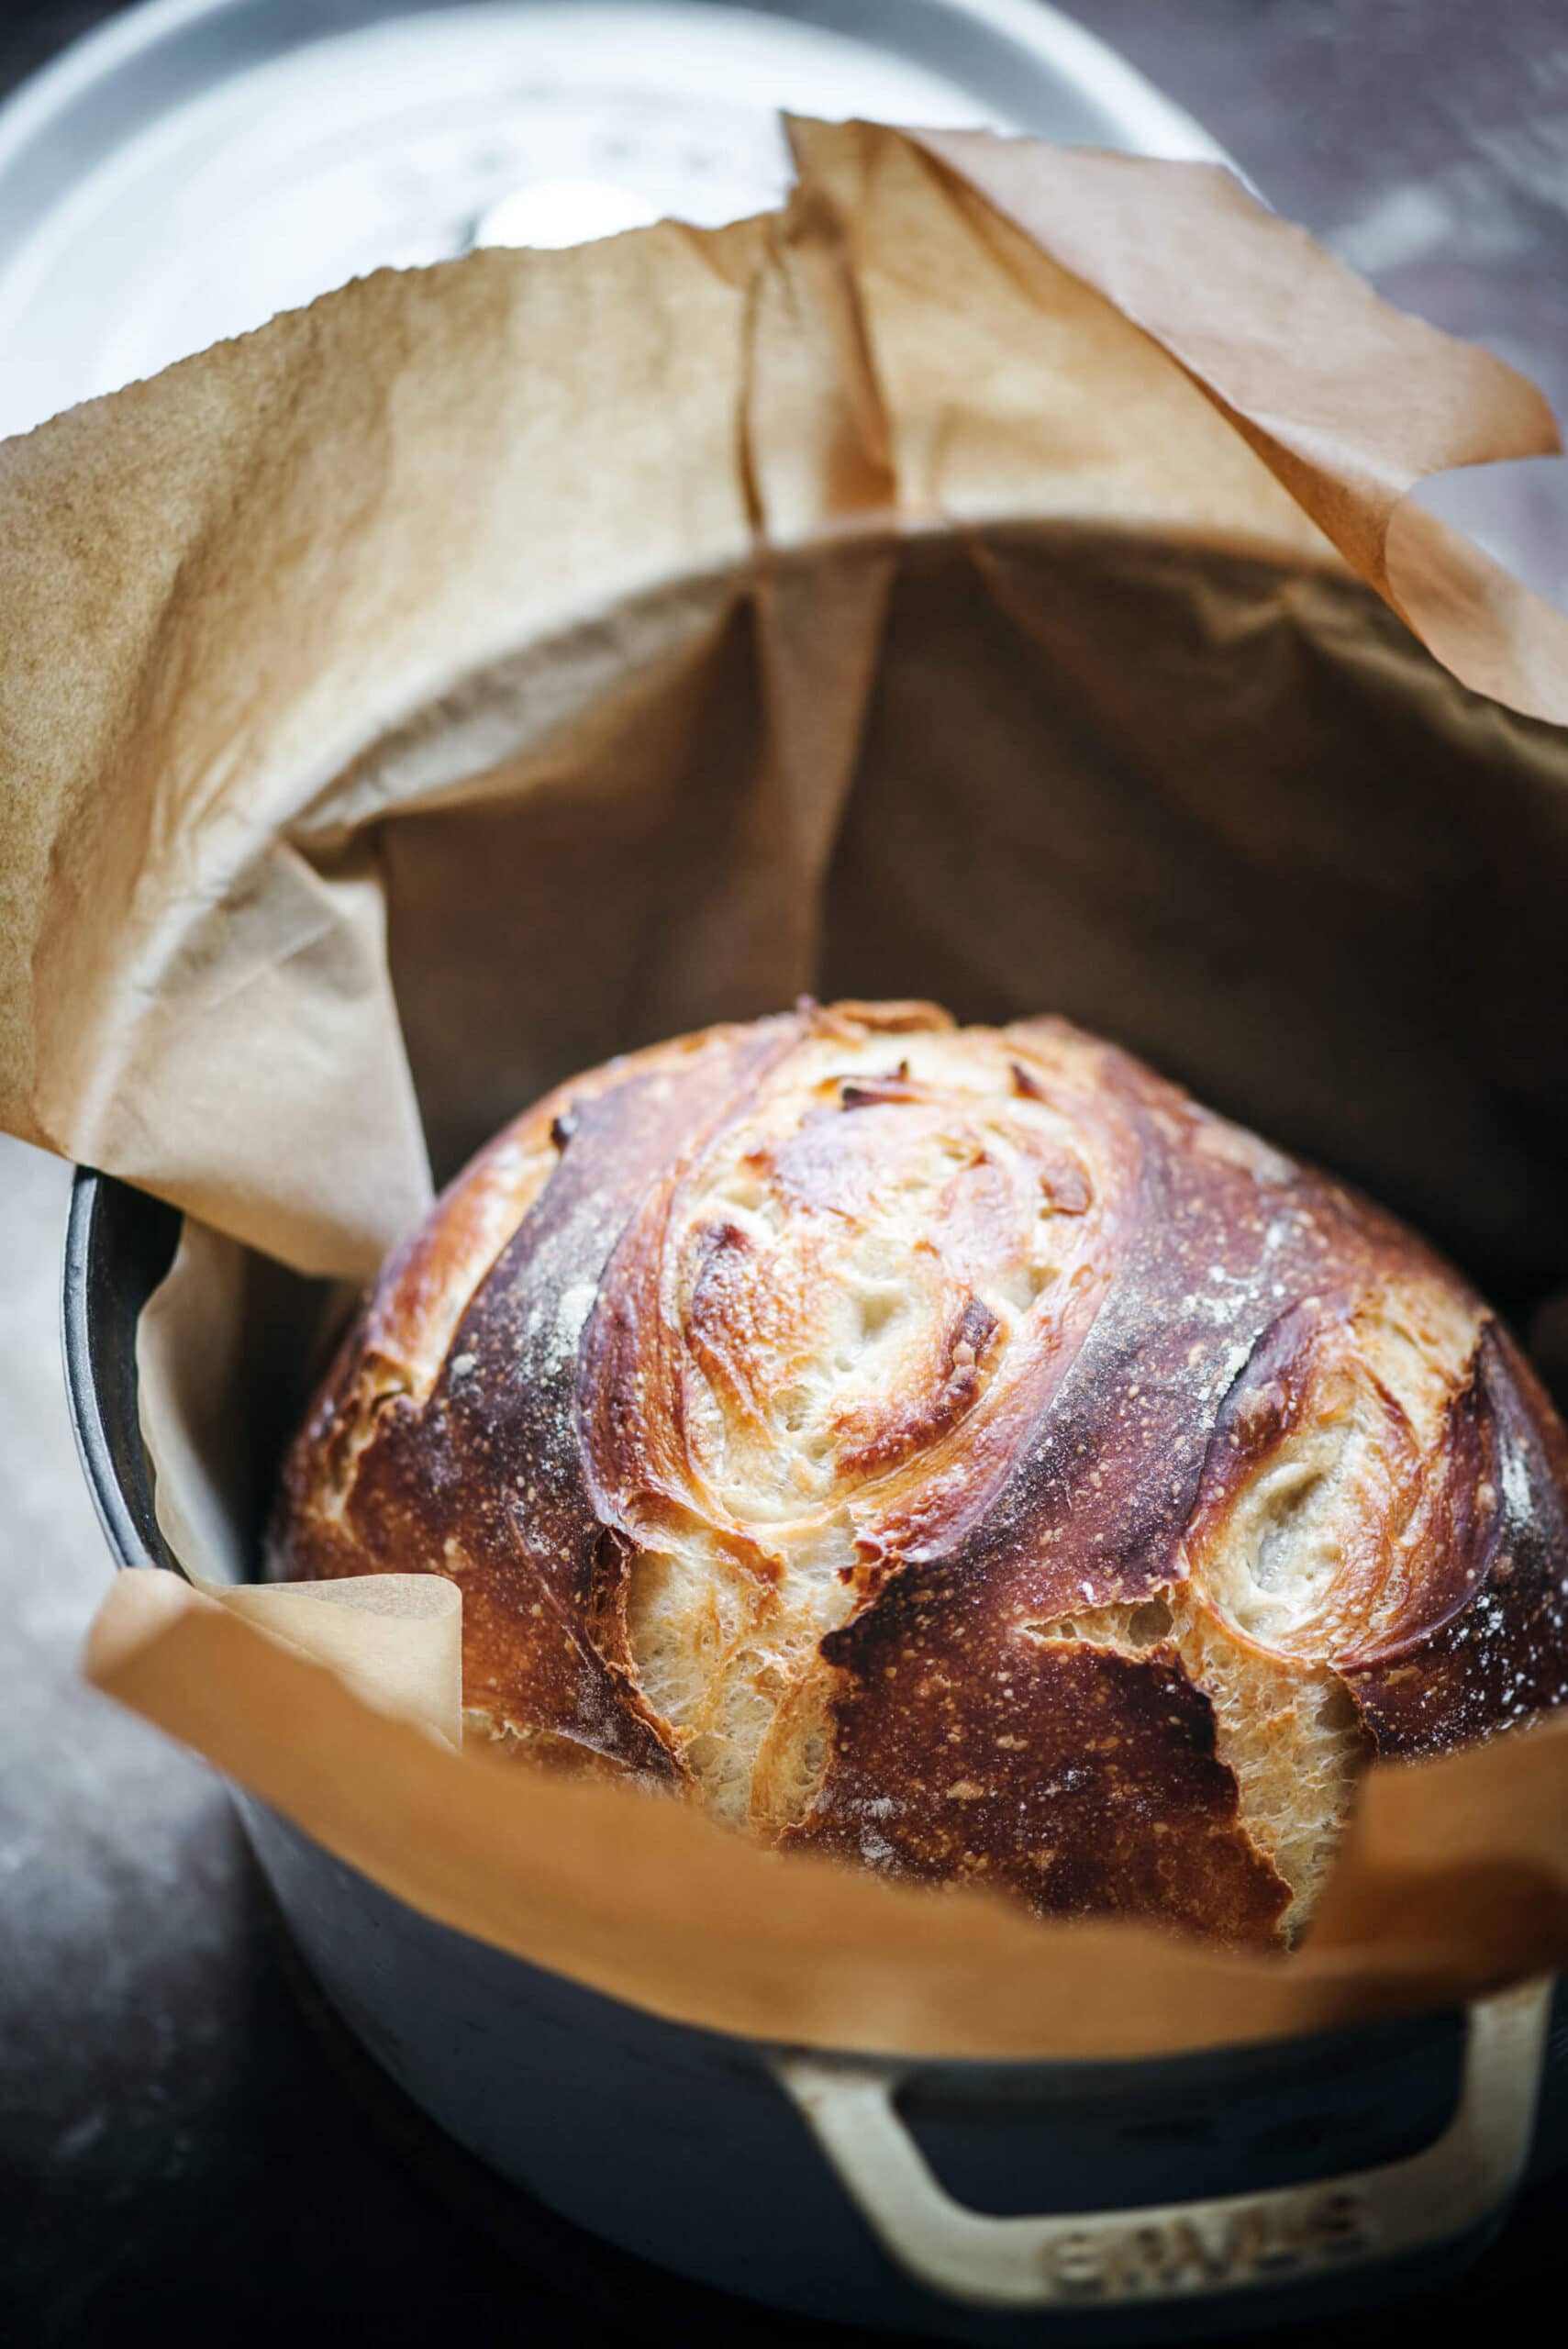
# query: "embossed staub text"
1202 2250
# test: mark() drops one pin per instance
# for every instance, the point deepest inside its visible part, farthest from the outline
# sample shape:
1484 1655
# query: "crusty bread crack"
955 1450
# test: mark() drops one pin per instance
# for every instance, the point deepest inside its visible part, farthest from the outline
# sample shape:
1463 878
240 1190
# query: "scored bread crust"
955 1450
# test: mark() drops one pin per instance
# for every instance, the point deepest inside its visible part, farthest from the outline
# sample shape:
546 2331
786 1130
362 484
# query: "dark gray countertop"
175 2150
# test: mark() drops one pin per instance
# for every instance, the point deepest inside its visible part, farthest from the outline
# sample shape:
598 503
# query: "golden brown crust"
481 1479
1488 1649
912 1440
1080 1777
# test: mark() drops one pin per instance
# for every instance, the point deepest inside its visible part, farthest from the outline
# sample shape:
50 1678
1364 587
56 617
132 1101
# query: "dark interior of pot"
1230 814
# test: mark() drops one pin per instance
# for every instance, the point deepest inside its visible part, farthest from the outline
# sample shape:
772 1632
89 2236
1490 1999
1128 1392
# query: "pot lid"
195 165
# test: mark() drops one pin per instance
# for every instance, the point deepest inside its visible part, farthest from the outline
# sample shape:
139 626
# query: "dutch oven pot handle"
1184 2250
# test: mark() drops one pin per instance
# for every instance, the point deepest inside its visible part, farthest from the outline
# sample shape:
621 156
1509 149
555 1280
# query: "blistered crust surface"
955 1450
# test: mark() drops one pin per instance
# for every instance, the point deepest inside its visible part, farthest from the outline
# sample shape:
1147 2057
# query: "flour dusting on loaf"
955 1450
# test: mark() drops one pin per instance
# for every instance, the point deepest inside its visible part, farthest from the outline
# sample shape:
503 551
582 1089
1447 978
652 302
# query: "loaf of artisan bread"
955 1450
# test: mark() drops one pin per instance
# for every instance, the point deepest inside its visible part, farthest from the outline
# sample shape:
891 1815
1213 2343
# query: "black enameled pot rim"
119 1242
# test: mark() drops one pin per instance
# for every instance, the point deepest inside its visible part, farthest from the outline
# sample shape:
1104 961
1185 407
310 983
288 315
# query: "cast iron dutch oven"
1189 2196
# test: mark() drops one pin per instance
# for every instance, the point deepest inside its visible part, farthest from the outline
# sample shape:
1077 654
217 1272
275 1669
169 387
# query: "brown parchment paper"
650 1902
994 577
396 1640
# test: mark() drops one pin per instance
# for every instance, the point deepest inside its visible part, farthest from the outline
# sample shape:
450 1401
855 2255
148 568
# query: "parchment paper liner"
954 585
